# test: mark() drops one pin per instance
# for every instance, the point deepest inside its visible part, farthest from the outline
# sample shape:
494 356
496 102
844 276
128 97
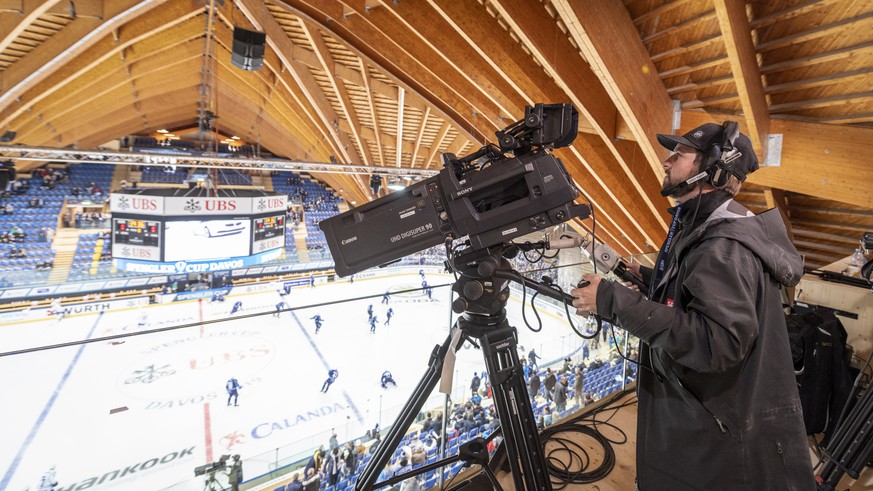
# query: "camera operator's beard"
671 179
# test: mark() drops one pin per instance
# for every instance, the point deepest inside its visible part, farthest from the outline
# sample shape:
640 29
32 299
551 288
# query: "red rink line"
207 421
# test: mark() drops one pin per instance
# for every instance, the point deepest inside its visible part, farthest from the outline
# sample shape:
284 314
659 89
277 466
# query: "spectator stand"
311 202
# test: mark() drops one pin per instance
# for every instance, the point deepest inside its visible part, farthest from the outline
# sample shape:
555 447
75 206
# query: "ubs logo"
123 203
192 206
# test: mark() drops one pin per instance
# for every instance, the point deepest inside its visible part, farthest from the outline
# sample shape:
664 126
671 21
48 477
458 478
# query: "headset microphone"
684 184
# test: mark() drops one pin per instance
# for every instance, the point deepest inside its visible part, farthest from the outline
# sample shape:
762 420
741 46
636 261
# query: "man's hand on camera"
586 296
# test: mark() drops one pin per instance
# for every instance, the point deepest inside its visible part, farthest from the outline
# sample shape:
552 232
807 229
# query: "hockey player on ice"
237 306
318 320
332 375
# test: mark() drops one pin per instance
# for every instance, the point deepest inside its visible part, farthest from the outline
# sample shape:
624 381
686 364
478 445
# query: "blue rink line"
45 410
348 399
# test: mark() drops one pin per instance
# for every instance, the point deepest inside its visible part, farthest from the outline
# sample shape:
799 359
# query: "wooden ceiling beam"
859 229
822 81
715 39
495 45
562 61
417 144
741 53
802 232
139 18
366 83
703 84
818 58
660 10
437 143
43 54
797 10
14 22
81 8
299 110
378 45
280 43
448 55
836 100
278 107
125 116
72 99
847 118
389 141
82 87
339 91
539 33
376 86
701 65
857 22
839 251
685 24
639 94
827 161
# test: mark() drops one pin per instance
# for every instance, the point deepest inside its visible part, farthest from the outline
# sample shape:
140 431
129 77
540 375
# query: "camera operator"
718 403
235 473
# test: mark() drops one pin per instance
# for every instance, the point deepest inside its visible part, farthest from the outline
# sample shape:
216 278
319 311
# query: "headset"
717 162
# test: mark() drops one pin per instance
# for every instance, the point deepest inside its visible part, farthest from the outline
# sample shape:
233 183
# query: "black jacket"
718 405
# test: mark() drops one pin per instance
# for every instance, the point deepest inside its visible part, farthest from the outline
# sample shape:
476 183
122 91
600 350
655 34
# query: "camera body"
212 467
490 202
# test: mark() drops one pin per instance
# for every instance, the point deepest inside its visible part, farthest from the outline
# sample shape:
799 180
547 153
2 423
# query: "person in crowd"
549 384
559 394
578 386
295 484
474 384
332 466
312 481
532 359
534 385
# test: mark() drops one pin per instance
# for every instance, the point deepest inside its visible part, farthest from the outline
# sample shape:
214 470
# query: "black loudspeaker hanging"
248 49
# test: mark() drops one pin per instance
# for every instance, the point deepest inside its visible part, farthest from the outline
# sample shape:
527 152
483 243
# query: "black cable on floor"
567 461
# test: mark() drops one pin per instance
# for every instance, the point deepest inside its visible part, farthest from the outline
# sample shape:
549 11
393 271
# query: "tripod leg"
407 415
520 435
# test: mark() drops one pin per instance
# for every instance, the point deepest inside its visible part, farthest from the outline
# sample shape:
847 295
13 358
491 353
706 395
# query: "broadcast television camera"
487 197
218 465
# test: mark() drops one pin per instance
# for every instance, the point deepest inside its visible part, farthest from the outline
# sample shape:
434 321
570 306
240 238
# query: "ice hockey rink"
141 412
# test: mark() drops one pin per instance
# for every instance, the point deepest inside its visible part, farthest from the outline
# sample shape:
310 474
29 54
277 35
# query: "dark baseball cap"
705 135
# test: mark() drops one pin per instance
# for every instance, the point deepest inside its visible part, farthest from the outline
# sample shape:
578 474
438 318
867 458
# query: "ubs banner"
155 206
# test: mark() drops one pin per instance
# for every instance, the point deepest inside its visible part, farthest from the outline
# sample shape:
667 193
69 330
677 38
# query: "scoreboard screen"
135 238
268 233
269 227
137 232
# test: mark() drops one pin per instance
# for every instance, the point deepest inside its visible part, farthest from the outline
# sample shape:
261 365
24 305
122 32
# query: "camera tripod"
211 483
851 447
482 294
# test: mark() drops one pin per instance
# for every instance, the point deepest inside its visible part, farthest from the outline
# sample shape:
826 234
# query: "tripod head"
483 285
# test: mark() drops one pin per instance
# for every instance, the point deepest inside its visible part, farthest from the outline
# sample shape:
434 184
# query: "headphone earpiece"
716 168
